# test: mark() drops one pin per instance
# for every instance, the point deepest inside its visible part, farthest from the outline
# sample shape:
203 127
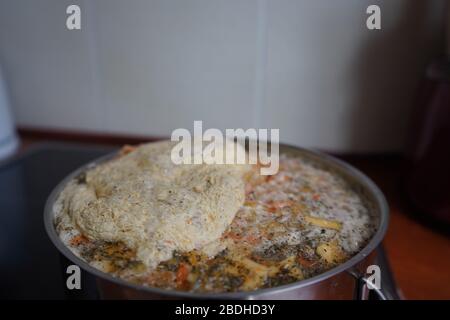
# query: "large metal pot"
346 281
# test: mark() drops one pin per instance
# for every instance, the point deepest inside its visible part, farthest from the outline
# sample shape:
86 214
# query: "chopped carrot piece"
182 274
233 236
273 206
252 239
126 149
305 262
77 240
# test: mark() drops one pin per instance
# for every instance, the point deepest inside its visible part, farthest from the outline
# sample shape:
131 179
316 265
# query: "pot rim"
325 159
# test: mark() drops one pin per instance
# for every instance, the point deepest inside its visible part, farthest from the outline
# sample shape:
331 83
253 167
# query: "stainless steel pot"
346 281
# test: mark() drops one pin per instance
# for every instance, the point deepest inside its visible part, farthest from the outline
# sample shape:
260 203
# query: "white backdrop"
308 67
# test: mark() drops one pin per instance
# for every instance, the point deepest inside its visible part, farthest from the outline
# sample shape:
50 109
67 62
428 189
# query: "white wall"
308 67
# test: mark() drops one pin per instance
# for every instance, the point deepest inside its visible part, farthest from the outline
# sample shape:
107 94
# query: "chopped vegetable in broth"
293 225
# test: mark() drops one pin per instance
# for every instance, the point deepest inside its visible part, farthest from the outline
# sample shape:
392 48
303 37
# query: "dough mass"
154 206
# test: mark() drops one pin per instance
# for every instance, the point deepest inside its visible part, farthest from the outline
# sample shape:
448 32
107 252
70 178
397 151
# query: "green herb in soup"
287 227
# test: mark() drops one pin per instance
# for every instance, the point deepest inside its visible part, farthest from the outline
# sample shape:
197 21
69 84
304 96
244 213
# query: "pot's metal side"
341 286
337 283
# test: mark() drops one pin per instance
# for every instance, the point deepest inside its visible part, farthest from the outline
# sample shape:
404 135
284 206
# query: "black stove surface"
29 263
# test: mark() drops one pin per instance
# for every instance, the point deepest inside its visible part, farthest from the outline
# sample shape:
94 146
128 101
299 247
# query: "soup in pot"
211 228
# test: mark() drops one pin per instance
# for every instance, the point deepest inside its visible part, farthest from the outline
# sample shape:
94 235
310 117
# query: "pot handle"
363 290
388 290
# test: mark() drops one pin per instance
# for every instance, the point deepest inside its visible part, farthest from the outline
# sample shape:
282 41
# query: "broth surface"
293 225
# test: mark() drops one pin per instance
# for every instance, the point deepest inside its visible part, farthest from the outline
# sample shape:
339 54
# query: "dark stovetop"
30 265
